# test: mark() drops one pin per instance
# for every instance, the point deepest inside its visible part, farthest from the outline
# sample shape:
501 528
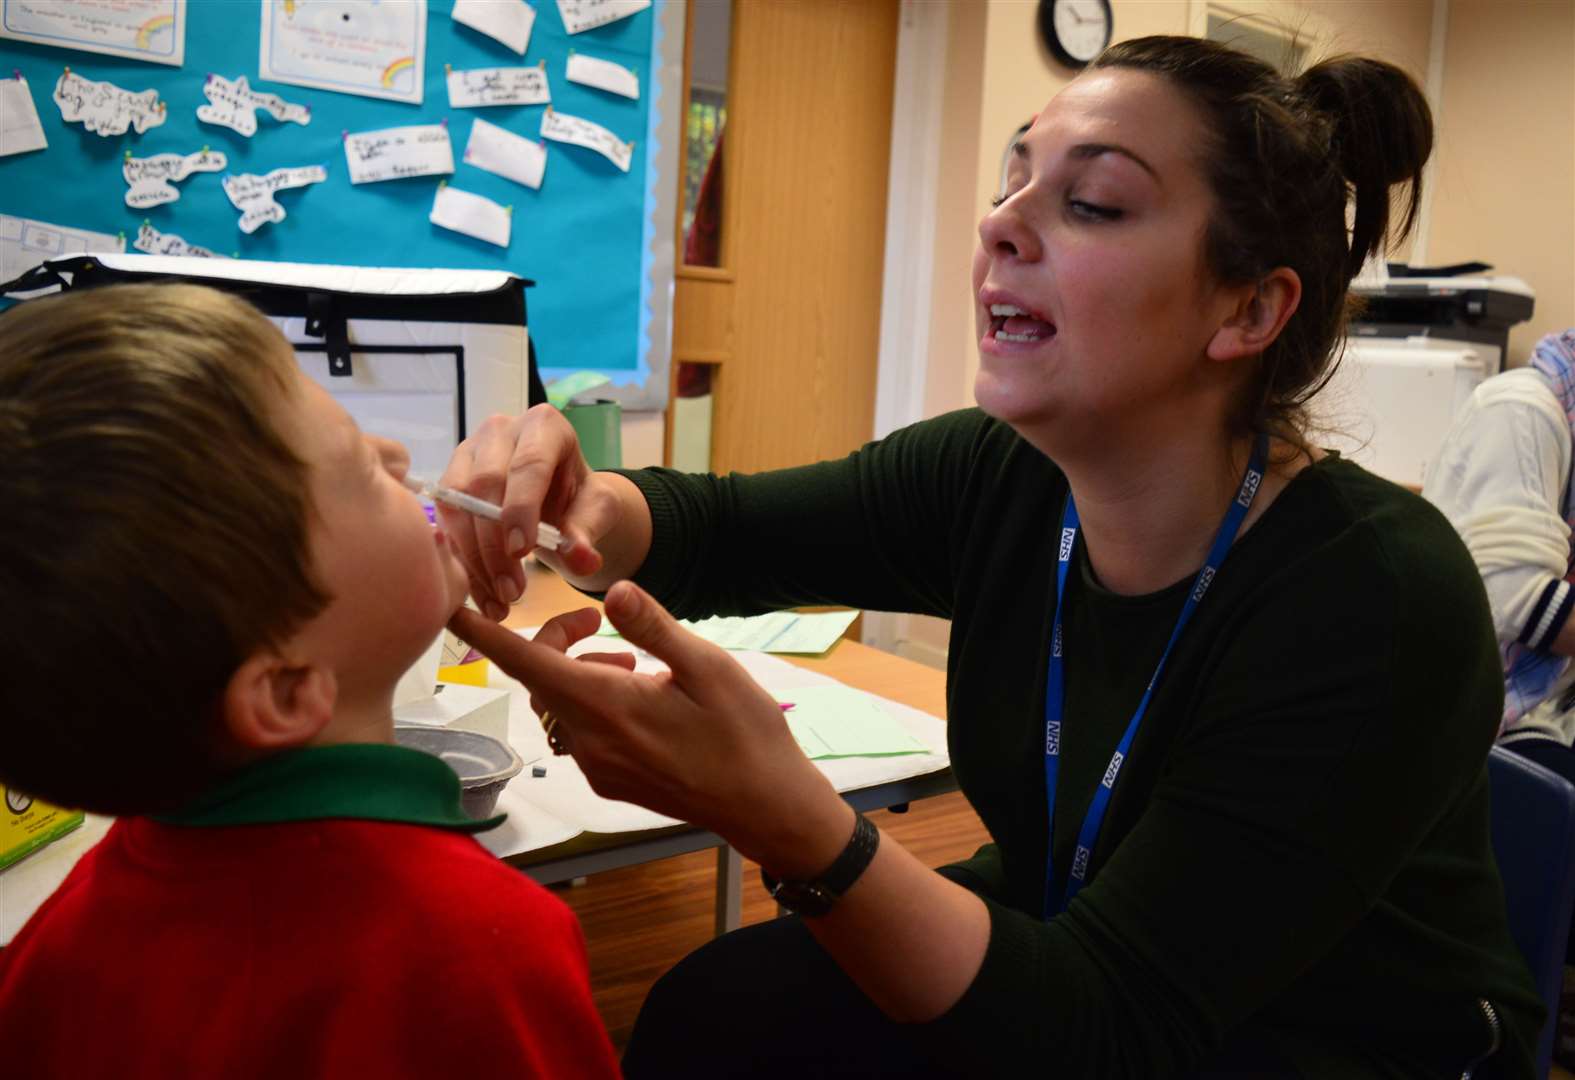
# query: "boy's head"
203 559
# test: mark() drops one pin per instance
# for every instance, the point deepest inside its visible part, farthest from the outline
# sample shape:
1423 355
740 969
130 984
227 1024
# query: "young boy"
210 581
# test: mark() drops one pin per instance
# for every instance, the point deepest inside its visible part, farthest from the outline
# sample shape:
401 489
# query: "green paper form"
795 632
838 722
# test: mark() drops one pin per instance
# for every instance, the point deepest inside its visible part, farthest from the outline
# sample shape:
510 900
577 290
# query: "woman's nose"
1004 233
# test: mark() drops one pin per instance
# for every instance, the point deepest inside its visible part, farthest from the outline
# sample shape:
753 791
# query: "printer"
1418 347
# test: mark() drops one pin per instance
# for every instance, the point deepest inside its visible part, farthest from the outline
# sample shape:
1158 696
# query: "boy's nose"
394 456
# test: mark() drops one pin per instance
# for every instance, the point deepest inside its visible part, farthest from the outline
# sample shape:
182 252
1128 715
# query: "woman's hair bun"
1382 134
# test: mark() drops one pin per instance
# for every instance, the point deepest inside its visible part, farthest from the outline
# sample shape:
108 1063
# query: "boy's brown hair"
155 536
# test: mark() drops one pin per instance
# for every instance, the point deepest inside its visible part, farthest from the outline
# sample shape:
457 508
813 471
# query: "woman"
1260 778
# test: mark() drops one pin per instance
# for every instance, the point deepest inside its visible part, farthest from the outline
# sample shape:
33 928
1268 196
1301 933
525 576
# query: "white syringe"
547 536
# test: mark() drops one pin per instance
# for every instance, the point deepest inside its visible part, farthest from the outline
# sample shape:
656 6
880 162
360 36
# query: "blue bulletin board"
597 241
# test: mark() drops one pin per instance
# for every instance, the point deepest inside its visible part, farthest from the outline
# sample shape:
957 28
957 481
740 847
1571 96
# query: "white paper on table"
25 243
151 30
582 15
149 178
20 129
561 127
395 153
479 87
154 242
252 195
603 75
506 154
565 793
508 21
374 48
232 103
104 107
471 214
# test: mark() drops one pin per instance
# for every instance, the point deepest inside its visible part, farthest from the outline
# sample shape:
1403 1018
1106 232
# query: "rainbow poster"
151 30
374 48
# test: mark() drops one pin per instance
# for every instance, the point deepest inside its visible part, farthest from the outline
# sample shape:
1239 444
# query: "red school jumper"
323 914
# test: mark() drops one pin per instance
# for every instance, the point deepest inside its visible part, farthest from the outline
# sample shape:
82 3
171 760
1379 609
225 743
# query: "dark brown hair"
1285 155
156 535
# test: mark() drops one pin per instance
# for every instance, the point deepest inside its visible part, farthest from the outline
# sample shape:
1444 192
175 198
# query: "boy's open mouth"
1011 323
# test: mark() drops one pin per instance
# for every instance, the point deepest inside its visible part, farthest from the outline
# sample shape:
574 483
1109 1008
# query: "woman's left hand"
703 743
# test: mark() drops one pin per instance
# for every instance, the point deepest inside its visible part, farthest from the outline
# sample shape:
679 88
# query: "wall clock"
1075 30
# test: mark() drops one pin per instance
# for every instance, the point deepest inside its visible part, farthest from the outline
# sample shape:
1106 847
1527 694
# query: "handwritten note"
561 127
498 86
154 242
252 195
508 21
149 178
506 154
234 104
395 153
106 108
582 15
20 130
604 75
151 30
471 214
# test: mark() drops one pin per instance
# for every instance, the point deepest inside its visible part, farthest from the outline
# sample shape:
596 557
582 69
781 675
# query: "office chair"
1534 840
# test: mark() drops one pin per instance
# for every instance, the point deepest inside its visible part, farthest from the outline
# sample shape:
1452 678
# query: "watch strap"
817 896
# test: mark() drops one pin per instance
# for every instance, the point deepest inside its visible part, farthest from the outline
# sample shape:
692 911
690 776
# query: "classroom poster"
151 30
374 48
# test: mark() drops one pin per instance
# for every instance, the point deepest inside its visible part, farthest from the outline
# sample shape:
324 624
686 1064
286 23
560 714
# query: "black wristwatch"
815 898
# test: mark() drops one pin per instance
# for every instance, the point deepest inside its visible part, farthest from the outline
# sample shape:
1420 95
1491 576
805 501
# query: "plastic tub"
484 765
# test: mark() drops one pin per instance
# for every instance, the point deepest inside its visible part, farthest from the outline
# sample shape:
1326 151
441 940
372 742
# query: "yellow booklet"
27 824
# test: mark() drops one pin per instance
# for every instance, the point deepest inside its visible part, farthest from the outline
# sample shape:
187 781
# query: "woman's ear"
1258 317
272 704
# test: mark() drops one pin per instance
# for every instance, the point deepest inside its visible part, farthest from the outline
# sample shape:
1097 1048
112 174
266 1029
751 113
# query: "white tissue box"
456 705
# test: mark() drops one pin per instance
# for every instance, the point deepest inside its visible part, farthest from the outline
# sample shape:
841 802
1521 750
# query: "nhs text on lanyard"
1055 689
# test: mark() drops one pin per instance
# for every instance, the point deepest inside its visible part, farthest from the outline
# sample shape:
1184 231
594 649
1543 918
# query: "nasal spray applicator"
547 536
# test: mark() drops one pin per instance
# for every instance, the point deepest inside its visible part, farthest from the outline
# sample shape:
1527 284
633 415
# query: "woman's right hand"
532 467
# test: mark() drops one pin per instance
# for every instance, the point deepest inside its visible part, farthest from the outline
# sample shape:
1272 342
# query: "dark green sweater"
1298 845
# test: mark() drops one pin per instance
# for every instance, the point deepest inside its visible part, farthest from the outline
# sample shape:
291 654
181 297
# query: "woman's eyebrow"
1088 151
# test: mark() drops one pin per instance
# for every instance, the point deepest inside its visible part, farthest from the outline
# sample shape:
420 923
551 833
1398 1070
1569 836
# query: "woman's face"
1092 306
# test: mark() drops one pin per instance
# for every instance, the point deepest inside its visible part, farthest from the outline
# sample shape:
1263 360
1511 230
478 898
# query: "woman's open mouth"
1009 322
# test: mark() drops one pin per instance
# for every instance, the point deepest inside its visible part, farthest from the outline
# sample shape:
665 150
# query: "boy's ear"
1259 315
272 704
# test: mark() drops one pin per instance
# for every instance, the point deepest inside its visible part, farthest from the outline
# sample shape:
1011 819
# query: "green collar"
370 781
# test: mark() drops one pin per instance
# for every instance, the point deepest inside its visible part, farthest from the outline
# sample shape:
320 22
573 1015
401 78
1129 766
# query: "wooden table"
849 662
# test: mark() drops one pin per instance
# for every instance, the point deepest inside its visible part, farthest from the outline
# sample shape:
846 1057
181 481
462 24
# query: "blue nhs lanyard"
1055 689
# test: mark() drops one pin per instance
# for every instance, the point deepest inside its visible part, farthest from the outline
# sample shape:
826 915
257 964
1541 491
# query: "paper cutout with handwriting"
149 178
582 15
473 215
234 104
395 153
104 107
20 130
480 87
154 242
252 195
561 127
506 154
603 75
508 21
